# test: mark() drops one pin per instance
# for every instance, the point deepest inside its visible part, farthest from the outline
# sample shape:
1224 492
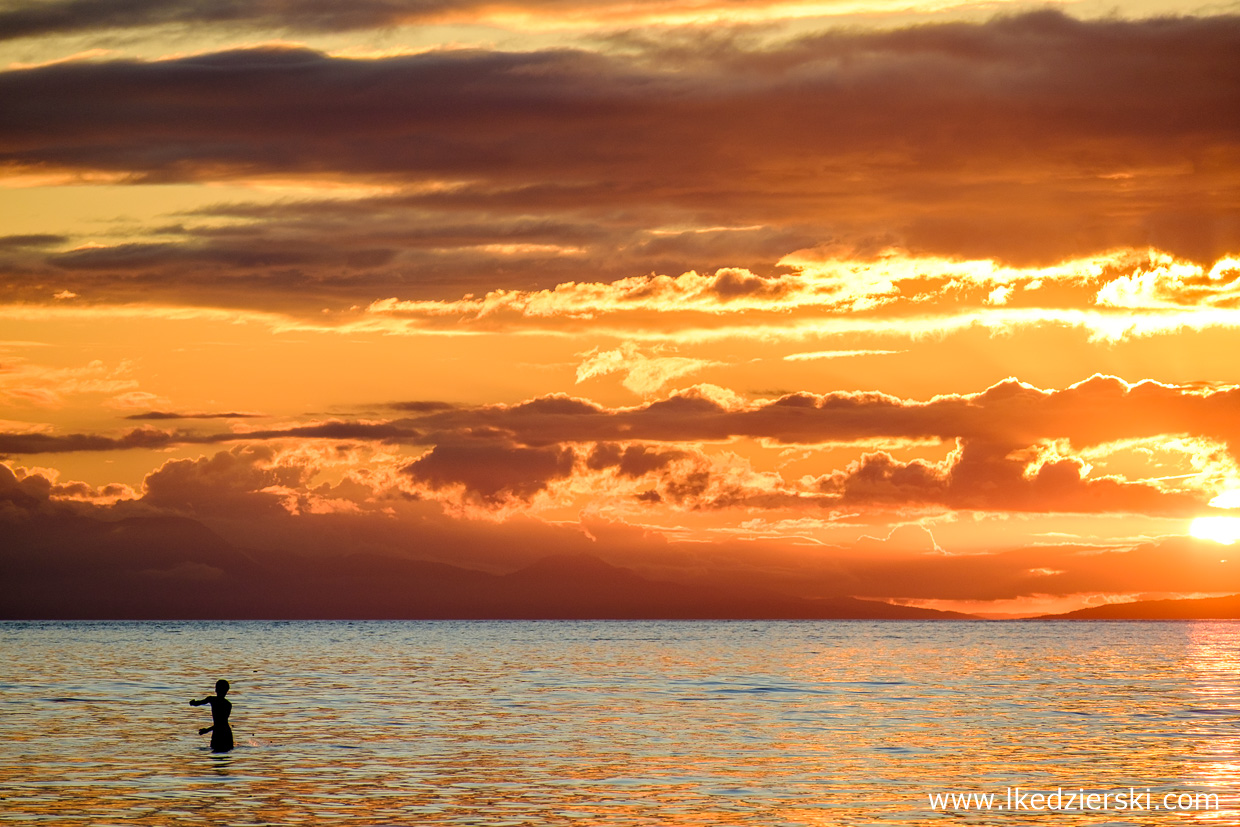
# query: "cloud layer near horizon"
1009 457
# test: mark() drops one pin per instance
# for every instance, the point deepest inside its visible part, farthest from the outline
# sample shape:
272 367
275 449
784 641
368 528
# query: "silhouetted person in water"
221 732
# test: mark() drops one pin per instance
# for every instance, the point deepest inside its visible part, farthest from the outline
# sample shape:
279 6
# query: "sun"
1225 530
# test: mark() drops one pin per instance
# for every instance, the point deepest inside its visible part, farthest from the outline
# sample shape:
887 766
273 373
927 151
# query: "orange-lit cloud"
25 383
893 293
1008 455
643 372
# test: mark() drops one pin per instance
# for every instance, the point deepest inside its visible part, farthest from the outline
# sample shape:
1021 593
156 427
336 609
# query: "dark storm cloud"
1032 137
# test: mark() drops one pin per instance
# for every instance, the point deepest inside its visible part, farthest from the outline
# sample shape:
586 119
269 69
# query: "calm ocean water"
614 723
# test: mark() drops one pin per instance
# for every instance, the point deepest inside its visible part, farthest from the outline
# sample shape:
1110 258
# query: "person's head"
221 687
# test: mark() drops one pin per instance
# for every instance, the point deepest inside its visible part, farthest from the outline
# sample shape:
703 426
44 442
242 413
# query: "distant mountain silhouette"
74 567
170 567
1206 608
565 586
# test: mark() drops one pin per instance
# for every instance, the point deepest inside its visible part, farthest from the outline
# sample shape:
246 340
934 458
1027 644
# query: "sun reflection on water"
1215 692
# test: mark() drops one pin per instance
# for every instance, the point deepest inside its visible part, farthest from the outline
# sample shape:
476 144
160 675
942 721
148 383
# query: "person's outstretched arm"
200 703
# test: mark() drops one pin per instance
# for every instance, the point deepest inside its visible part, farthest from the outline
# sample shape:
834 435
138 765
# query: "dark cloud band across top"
1033 137
51 17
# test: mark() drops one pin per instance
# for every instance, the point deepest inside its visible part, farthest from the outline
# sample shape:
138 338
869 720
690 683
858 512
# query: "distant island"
1205 608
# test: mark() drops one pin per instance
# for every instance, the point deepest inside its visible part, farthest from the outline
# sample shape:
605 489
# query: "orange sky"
935 304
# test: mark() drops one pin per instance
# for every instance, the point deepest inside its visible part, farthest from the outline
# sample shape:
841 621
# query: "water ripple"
606 723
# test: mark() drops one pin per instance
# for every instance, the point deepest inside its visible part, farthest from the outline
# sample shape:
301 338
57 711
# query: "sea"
678 723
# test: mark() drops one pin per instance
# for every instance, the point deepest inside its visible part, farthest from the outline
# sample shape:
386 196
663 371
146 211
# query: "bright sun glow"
1228 499
1225 530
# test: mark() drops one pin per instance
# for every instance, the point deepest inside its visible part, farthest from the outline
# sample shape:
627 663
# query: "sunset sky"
932 303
